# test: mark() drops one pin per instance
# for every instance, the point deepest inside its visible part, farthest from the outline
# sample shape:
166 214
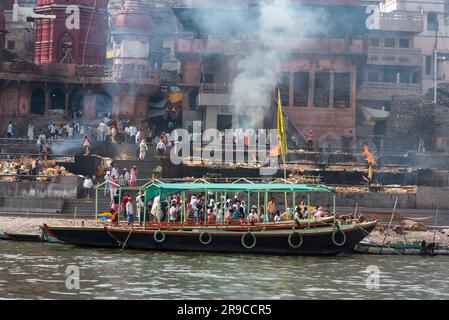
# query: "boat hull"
318 241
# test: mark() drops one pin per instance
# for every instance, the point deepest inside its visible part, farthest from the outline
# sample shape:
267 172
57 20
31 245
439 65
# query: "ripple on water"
31 270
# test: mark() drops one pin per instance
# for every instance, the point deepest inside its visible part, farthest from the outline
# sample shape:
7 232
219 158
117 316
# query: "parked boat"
313 241
416 248
320 236
397 217
21 237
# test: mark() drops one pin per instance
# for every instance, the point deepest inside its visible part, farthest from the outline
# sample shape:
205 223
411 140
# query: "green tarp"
166 189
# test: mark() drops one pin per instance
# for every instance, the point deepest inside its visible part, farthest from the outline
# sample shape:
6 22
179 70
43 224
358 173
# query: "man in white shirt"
103 129
160 149
133 133
143 150
9 132
130 211
87 186
127 138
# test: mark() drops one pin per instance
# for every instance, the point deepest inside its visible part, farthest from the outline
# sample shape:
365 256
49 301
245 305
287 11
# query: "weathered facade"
317 79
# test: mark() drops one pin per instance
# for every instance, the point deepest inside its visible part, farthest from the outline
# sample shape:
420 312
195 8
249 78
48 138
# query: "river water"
38 271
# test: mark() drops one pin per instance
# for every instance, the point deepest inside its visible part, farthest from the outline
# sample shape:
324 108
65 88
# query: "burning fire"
369 156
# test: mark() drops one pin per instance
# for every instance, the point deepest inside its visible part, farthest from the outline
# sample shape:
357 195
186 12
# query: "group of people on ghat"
199 209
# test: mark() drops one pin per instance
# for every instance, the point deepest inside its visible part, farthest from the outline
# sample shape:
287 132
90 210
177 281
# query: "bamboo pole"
96 204
266 207
391 219
74 215
435 225
145 210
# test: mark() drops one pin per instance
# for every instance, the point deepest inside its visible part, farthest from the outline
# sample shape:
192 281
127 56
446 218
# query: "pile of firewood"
413 118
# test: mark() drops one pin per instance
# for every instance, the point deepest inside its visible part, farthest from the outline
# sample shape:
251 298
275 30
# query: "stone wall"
62 188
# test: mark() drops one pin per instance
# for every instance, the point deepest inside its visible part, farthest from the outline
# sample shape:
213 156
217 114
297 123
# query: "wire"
88 30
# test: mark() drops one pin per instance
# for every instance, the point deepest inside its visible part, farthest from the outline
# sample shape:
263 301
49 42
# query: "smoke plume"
279 28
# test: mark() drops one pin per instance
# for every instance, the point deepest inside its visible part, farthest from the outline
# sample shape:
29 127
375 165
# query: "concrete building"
393 66
317 79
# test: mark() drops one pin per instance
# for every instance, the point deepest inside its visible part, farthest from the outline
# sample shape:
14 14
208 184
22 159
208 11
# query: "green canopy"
165 189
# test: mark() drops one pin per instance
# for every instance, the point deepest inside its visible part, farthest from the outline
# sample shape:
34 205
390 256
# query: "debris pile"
413 118
397 189
11 170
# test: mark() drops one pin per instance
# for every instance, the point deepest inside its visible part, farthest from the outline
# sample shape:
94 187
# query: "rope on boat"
127 238
156 238
244 243
337 229
112 236
290 240
367 234
201 237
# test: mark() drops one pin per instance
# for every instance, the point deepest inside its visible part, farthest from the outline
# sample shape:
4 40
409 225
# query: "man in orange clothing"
272 209
310 140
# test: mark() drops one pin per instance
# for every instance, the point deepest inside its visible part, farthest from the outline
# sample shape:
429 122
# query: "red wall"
50 32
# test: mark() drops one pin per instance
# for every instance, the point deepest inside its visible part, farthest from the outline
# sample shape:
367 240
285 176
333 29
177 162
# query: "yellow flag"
281 129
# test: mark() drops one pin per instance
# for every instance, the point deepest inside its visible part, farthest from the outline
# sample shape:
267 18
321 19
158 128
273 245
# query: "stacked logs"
413 118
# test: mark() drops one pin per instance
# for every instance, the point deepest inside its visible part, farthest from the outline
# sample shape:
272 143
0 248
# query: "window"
209 78
373 76
224 122
431 21
404 43
374 42
428 65
389 43
404 77
389 76
11 45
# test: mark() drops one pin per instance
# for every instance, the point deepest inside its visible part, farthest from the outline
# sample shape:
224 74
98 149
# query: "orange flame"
369 156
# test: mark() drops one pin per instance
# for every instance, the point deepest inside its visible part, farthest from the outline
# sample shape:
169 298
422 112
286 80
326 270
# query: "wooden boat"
323 236
386 216
401 249
234 226
315 241
22 237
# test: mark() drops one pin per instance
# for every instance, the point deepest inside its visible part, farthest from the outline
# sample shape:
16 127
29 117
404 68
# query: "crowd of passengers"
198 208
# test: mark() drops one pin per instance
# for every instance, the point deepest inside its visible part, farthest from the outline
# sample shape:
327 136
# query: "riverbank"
24 225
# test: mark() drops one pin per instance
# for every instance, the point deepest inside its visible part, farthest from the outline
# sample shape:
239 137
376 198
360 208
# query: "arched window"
38 101
57 99
103 105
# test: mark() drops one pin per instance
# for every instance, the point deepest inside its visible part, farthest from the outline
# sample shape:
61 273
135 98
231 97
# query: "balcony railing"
386 90
235 46
405 21
214 88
